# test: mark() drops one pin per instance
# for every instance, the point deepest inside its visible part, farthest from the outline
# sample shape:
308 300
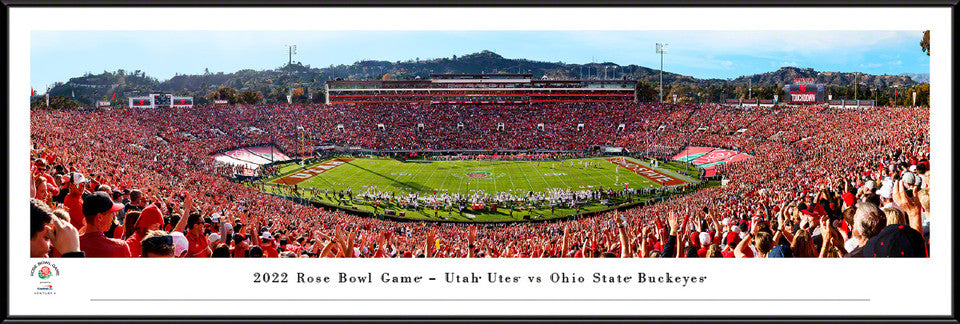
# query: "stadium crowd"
141 183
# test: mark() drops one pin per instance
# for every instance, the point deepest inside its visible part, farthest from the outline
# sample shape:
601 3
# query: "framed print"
480 163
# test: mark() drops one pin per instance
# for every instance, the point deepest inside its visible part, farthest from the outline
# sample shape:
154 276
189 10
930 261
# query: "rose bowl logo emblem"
479 174
44 272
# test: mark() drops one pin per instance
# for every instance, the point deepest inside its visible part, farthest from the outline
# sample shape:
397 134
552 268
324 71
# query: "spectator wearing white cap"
911 180
705 243
214 239
886 195
869 187
180 244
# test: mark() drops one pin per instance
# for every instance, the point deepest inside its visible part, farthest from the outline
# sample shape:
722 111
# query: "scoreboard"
804 93
182 102
141 102
161 100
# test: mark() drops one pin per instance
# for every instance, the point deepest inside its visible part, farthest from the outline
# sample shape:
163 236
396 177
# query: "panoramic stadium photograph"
479 144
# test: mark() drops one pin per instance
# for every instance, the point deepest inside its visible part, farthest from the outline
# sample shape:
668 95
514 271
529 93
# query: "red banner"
715 156
692 150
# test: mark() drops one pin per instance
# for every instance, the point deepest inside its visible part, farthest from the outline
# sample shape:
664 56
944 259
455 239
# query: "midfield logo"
479 174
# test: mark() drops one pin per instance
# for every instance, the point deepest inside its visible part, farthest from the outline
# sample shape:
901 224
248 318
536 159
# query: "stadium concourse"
822 182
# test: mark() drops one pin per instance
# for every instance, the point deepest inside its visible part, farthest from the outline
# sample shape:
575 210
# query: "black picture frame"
7 318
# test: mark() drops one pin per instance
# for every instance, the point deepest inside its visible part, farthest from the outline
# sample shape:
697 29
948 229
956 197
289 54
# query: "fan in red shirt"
74 203
240 246
42 167
199 245
150 220
269 245
100 211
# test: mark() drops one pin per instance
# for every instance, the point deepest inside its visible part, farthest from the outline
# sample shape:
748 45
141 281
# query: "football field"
429 178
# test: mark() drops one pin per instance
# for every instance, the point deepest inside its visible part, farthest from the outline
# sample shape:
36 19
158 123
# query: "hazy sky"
58 55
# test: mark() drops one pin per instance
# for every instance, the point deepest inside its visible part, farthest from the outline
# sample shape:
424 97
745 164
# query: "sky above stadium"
57 56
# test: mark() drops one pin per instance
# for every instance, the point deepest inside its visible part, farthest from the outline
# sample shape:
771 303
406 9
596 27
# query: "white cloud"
685 62
878 65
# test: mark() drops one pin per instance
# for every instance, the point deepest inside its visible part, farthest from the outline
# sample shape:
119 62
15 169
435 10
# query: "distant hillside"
786 75
490 62
274 85
918 77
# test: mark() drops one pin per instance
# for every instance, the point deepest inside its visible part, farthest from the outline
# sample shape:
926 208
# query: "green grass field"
468 177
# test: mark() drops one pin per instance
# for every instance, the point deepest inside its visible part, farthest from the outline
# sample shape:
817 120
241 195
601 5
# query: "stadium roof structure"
500 88
378 81
482 76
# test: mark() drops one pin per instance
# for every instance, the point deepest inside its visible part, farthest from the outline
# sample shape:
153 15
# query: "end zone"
310 172
647 172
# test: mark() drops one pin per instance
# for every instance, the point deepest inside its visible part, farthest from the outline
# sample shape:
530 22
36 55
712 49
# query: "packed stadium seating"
821 181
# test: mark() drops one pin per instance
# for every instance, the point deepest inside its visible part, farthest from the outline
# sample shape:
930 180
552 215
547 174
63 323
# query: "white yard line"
545 182
525 177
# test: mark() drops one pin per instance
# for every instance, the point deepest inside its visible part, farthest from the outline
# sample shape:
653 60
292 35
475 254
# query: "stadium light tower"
856 85
661 48
291 49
